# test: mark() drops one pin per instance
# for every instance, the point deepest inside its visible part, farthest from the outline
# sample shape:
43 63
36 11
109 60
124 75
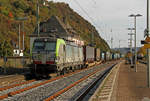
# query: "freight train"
57 48
60 55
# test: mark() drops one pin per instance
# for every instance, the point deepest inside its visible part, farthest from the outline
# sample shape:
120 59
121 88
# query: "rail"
83 94
77 82
35 85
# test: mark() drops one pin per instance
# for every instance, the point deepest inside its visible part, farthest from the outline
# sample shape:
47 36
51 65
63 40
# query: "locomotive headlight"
49 58
57 59
39 56
34 57
53 55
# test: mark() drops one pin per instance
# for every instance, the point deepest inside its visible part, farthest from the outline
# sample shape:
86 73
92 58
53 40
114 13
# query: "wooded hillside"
10 10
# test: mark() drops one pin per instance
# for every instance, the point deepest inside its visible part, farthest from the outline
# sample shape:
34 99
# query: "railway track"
93 84
12 76
12 79
42 89
9 76
81 88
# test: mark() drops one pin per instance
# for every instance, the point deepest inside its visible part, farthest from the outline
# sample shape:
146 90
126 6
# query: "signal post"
148 46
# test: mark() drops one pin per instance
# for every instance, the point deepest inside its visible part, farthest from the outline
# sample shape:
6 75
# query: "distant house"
54 26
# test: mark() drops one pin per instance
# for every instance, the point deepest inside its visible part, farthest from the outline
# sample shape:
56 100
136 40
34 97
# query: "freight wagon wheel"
73 68
68 70
46 76
76 67
64 71
33 70
80 67
58 73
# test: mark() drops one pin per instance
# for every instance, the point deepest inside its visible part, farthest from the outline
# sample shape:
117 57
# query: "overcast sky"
113 15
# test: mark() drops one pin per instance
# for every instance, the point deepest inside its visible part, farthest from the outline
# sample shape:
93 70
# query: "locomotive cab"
44 51
47 53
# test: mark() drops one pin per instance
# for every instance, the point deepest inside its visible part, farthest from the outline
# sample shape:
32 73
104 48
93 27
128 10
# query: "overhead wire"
87 14
98 17
93 1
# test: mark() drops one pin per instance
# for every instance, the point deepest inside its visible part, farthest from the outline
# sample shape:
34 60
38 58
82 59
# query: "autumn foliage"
10 10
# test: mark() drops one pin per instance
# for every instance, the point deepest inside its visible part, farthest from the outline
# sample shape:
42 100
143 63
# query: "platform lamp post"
131 29
135 58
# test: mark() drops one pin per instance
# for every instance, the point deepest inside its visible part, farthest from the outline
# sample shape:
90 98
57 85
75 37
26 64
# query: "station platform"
128 85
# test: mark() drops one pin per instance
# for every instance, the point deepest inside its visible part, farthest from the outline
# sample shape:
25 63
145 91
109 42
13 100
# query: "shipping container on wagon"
103 56
108 56
97 54
113 56
118 55
122 55
88 54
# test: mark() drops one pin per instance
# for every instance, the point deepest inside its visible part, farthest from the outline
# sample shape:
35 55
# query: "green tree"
5 49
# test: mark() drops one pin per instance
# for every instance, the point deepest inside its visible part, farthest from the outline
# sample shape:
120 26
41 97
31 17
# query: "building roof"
55 27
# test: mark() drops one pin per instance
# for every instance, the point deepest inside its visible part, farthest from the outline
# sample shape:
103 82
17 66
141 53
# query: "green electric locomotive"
55 54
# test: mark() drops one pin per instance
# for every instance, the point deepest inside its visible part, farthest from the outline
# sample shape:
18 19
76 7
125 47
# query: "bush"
5 12
5 49
21 4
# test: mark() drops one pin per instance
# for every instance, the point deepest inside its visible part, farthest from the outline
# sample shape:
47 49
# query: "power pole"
19 38
37 18
23 41
23 36
119 44
112 42
92 41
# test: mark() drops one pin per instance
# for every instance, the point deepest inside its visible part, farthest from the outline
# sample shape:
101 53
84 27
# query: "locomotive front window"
50 46
38 46
44 46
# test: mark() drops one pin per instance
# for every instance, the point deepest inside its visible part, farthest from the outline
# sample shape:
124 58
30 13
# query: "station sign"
130 54
146 42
